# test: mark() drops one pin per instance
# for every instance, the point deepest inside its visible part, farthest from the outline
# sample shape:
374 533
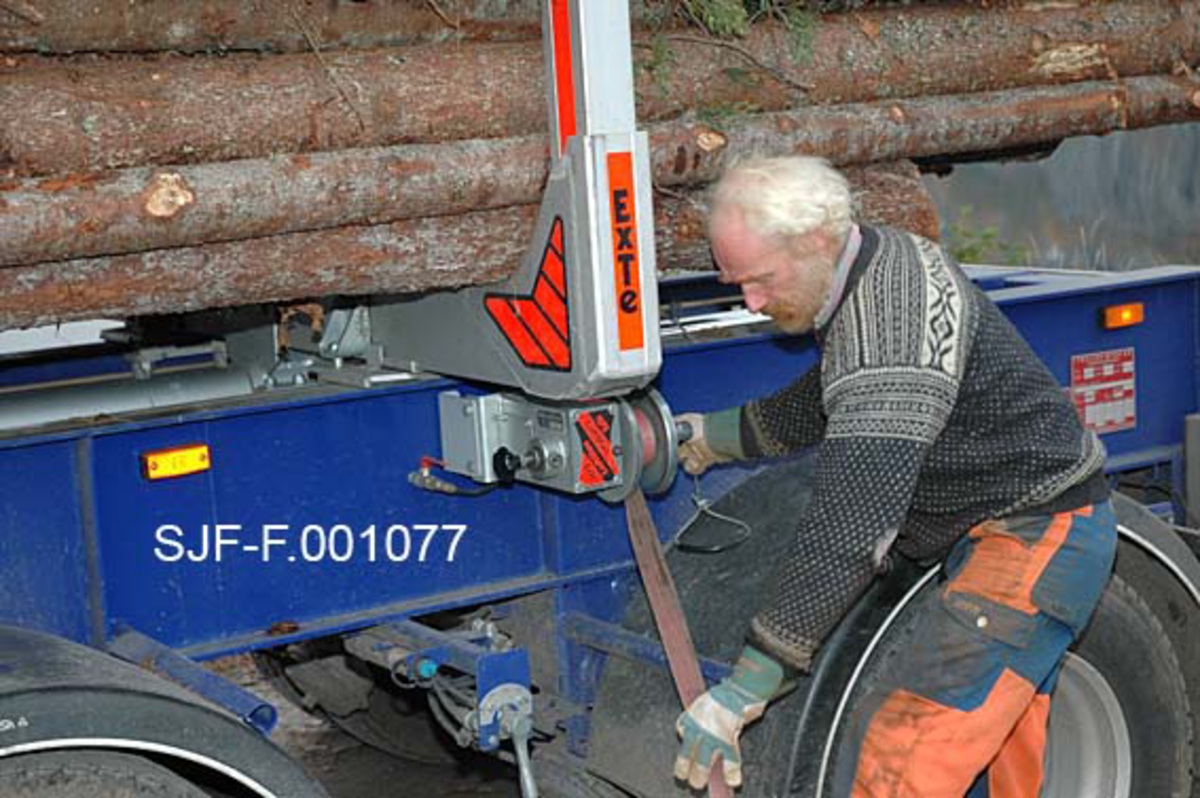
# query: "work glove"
716 438
711 725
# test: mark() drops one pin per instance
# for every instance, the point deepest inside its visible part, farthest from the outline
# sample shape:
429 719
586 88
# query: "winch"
607 447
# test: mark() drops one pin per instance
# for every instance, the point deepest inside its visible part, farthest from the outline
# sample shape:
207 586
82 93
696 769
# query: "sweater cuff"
794 653
723 432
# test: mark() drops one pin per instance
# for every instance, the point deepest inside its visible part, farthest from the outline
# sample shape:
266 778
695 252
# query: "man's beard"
790 317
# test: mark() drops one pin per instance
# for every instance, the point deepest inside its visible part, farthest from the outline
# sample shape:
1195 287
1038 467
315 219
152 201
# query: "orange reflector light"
177 462
1118 316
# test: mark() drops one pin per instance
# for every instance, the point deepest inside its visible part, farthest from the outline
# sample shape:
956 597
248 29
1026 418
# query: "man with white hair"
941 437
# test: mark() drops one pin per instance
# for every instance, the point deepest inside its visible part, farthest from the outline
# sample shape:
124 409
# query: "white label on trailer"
1103 387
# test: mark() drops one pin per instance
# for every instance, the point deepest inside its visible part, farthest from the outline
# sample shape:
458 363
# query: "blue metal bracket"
621 642
419 652
135 647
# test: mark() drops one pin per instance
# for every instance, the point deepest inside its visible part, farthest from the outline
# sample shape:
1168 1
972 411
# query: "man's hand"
696 456
714 721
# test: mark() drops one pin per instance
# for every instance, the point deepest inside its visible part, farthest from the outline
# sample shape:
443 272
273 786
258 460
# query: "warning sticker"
1103 387
599 462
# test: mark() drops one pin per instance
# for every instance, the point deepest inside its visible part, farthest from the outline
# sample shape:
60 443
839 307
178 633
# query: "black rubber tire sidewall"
1126 642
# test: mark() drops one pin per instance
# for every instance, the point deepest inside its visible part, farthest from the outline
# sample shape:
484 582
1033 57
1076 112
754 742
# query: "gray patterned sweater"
931 413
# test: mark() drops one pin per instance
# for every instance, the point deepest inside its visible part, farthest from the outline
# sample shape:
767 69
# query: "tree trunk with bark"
84 215
99 113
401 257
150 184
200 26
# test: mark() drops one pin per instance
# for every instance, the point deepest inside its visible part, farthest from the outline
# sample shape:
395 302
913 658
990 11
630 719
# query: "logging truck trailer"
163 506
407 510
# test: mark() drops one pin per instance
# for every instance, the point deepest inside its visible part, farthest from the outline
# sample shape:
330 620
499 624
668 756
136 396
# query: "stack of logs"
178 155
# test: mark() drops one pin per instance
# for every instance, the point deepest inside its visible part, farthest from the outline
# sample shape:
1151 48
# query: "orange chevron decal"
538 325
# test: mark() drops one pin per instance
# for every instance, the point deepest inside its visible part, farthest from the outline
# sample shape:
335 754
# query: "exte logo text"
626 265
626 250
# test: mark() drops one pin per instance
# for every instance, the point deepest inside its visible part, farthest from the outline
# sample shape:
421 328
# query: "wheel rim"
1089 750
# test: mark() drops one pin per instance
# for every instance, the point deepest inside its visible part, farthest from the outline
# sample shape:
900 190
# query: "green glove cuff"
723 432
757 674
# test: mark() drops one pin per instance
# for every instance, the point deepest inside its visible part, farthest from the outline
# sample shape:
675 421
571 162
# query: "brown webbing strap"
668 617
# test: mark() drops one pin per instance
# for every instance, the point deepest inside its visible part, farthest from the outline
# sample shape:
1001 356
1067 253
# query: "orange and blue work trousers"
964 704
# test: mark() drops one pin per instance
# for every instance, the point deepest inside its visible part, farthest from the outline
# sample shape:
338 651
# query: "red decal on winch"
599 462
1104 389
538 325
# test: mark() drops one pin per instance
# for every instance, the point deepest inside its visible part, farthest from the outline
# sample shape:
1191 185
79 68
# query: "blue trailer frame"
313 529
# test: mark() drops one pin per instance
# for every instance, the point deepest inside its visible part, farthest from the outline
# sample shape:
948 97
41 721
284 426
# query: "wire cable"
704 507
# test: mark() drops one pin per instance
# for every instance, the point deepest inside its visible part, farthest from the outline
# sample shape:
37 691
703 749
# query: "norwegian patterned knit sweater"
932 414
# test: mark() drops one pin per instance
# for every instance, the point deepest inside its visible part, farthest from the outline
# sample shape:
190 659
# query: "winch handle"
684 431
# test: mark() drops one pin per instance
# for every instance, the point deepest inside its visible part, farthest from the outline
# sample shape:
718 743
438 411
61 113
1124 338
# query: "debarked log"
84 215
109 113
401 257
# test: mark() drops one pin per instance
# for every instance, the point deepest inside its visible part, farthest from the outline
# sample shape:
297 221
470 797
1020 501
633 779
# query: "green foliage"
659 63
801 25
658 13
727 18
970 243
732 18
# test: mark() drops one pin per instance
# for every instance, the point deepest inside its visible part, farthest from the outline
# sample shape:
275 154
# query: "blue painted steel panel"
43 554
581 666
714 375
1058 327
341 463
592 533
29 370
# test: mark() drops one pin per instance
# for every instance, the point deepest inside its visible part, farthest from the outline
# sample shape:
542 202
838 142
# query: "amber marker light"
1118 316
178 461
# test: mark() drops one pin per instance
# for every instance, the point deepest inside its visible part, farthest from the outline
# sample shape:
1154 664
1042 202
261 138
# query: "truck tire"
1131 655
90 774
60 697
1120 724
1171 596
